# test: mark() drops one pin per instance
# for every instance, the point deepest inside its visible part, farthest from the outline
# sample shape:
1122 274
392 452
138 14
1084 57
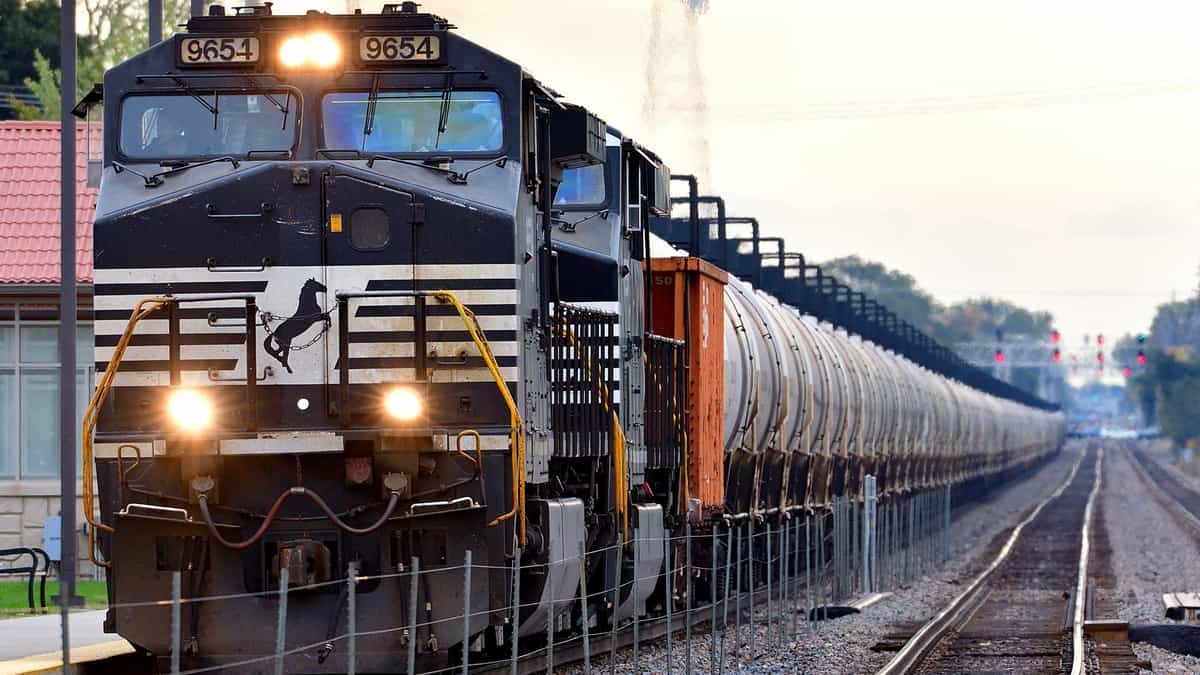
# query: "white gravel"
1151 555
844 645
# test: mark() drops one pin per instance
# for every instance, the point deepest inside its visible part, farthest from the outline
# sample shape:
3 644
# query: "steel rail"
964 604
1077 650
1166 488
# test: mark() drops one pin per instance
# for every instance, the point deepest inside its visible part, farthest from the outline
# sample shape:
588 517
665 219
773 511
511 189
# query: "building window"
29 391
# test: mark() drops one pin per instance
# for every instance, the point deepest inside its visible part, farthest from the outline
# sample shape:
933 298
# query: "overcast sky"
1045 153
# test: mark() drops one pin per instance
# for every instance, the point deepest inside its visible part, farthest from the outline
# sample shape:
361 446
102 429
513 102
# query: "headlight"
320 50
403 404
189 410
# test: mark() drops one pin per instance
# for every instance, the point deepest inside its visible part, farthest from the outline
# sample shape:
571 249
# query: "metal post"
176 621
808 589
637 559
767 565
612 640
66 329
712 599
516 609
728 577
687 624
156 24
821 568
668 565
583 610
737 601
750 578
780 602
281 623
946 526
466 650
414 575
351 618
550 623
197 7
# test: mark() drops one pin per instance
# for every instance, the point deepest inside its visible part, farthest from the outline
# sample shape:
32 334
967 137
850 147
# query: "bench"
37 556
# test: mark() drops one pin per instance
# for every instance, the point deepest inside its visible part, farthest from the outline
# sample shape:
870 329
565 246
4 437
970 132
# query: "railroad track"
1025 611
1178 497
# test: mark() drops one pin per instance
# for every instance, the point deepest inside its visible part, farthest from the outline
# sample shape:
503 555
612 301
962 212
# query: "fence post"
946 526
466 644
516 609
725 603
176 620
781 602
281 623
351 617
767 565
808 588
612 639
669 567
712 633
414 573
737 601
637 559
583 609
687 624
750 574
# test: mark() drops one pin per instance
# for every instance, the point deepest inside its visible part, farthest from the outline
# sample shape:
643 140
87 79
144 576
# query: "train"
371 301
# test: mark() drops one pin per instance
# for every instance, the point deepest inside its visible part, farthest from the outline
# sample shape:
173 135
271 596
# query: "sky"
1044 153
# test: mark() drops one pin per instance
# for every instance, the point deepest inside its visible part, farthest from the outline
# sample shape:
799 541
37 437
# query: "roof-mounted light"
315 50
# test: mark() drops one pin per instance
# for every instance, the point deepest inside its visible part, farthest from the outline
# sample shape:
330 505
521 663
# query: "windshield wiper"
372 101
435 164
213 108
151 181
444 111
569 226
274 101
155 180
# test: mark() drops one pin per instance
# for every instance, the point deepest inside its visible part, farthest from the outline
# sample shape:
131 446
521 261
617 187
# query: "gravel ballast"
844 645
1152 554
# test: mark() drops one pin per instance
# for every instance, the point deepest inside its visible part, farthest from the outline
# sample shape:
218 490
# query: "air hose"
393 501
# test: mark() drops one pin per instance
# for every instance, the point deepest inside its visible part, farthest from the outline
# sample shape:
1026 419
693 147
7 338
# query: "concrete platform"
32 644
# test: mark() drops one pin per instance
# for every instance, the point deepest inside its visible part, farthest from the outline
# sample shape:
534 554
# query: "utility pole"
66 332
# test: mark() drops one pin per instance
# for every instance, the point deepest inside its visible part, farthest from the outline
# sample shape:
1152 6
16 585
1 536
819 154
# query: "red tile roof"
29 203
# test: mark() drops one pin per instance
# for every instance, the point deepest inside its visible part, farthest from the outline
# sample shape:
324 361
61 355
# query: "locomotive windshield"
410 122
581 187
183 125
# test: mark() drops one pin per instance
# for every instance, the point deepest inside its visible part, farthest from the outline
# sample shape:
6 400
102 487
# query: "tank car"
370 297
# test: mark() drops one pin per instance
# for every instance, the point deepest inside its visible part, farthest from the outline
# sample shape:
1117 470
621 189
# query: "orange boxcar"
688 303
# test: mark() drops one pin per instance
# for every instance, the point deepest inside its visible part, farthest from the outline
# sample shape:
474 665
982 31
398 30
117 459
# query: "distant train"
367 292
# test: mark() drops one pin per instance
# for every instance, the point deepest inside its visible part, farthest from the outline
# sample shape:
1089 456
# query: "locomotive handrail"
516 425
144 308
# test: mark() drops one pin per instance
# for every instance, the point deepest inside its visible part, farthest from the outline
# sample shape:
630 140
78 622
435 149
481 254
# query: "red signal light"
1100 339
999 356
1055 337
1141 358
1100 357
1126 371
1057 356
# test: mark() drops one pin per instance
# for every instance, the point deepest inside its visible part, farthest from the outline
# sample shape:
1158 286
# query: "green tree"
25 30
115 31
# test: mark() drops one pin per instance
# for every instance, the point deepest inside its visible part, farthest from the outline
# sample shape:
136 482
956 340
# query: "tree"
116 30
25 31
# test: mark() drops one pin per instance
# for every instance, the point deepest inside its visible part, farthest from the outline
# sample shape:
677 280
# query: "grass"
14 602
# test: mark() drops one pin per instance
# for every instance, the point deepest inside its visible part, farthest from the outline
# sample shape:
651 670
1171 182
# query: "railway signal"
999 356
1055 337
1126 371
1141 358
1057 356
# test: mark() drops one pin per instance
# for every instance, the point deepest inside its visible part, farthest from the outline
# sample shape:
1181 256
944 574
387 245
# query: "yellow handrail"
144 308
516 426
